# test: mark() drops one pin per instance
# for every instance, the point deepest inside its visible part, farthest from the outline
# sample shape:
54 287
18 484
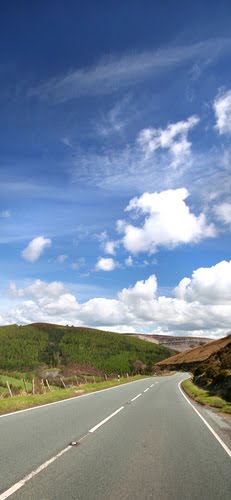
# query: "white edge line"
68 399
138 395
104 421
224 446
22 482
146 389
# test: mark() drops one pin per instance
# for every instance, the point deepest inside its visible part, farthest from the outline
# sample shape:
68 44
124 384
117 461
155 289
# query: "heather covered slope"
210 365
28 347
197 354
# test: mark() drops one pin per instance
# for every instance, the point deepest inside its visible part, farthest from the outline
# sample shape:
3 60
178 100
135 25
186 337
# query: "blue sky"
115 161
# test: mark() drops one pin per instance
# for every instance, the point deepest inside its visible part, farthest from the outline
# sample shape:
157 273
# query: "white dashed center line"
6 494
106 419
138 395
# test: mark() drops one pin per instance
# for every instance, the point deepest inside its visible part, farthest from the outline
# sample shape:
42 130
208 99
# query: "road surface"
141 440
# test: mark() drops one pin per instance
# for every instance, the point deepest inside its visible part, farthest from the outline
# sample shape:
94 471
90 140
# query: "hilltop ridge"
30 346
178 343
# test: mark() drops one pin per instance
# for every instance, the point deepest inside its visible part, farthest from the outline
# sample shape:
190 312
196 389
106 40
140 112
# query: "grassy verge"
205 398
15 381
16 403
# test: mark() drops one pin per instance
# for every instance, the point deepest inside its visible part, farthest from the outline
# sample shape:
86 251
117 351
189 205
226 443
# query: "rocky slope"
180 344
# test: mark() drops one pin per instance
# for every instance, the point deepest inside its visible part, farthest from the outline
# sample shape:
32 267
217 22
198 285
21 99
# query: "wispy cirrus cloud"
174 139
112 73
223 212
161 152
116 119
158 159
222 109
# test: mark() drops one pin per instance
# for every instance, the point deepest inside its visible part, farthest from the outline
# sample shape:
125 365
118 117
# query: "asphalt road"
152 446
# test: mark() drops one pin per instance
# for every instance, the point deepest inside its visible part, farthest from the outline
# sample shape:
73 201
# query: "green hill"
25 348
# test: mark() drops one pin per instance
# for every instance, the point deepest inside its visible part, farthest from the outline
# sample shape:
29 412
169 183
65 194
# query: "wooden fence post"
63 382
48 385
24 382
9 389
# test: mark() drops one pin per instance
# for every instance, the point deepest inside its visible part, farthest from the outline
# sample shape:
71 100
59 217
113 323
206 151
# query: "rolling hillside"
25 348
210 365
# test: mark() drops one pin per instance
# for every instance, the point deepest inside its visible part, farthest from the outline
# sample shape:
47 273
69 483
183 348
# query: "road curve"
140 441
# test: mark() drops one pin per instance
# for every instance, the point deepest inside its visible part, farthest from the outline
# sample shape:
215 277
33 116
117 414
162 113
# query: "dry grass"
198 353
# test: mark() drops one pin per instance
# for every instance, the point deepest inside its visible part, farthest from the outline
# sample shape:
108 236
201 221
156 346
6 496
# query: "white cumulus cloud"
201 306
142 291
110 247
208 285
38 289
36 248
168 222
105 264
105 312
222 108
